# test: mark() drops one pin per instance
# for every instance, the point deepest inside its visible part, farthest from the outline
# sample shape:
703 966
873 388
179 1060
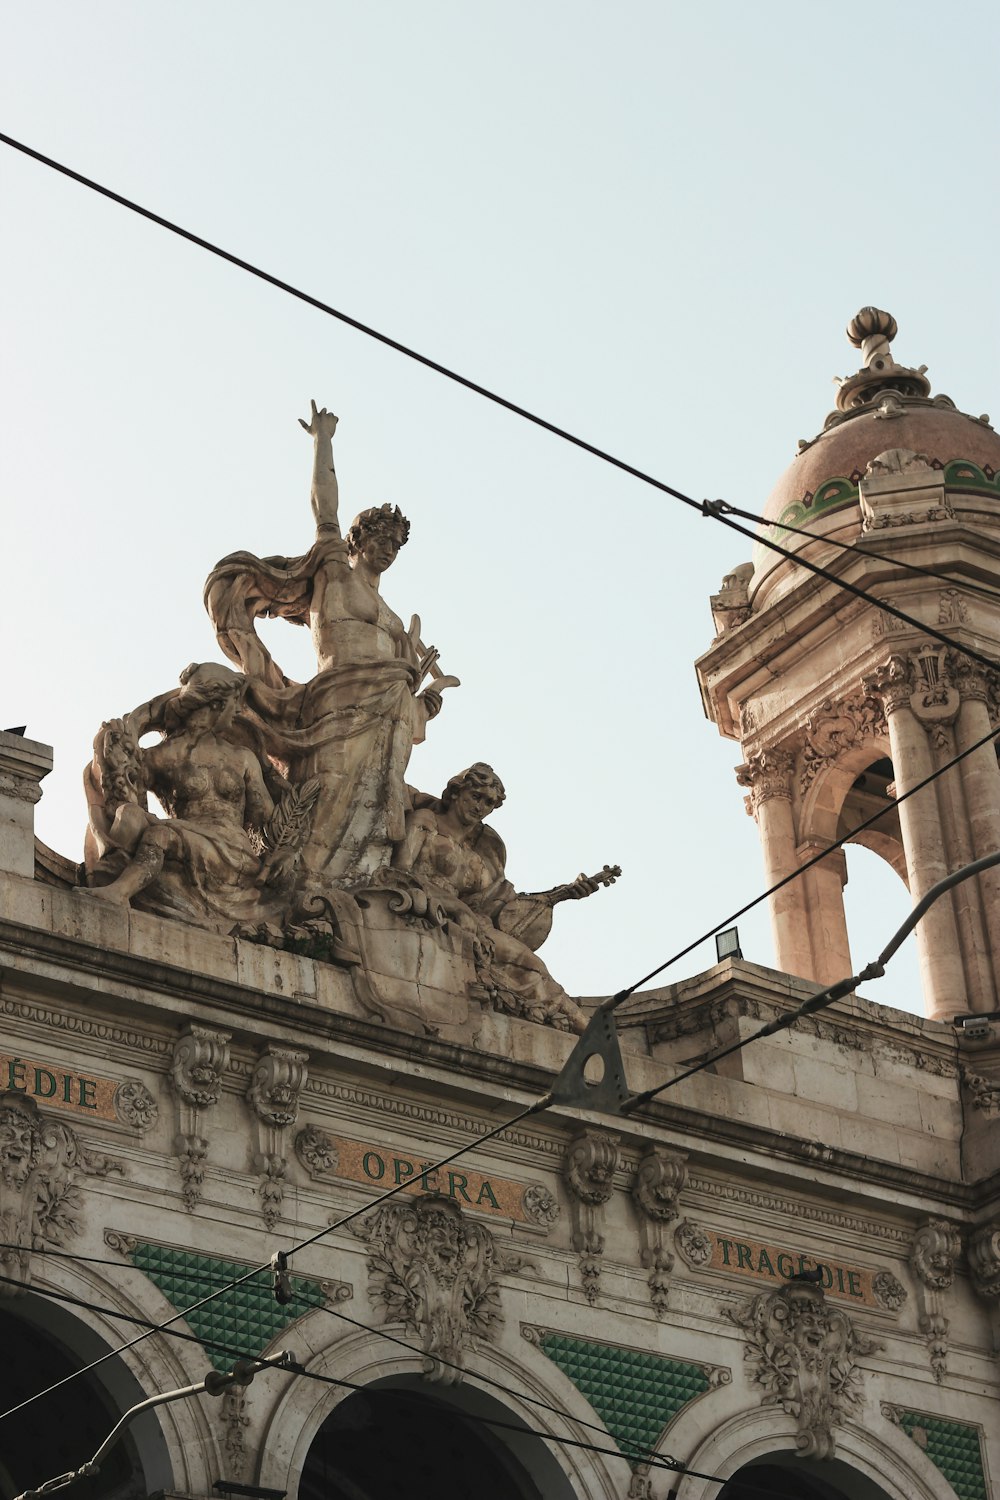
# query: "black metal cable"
646 1456
718 509
860 549
622 995
335 1312
239 1281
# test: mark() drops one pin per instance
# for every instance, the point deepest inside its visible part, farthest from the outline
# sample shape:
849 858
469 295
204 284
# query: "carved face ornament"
19 1147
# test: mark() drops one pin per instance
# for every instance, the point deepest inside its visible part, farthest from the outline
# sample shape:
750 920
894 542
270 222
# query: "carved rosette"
316 1151
836 728
41 1200
588 1171
273 1095
803 1354
436 1273
984 1260
135 1105
200 1059
935 1249
540 1206
692 1244
767 774
890 1292
658 1181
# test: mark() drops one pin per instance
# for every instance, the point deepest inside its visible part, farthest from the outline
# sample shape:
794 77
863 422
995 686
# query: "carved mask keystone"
658 1181
589 1171
200 1060
803 1354
435 1272
273 1095
936 1247
41 1203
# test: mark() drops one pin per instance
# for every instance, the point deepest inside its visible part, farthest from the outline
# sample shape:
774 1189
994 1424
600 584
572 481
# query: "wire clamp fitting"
716 508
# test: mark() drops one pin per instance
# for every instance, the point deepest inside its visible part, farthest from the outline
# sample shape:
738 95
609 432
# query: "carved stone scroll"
984 1260
803 1354
200 1059
835 728
659 1178
936 1247
273 1095
436 1273
588 1171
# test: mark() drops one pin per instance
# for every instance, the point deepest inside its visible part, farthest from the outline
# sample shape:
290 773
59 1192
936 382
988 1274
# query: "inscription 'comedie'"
58 1088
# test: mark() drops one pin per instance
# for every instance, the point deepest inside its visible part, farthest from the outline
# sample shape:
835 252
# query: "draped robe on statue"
352 726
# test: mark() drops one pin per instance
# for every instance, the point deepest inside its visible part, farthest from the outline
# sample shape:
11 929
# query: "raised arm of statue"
322 425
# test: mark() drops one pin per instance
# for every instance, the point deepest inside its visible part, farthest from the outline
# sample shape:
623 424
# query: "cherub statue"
460 860
224 852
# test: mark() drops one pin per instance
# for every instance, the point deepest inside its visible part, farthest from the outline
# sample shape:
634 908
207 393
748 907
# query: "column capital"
892 682
767 774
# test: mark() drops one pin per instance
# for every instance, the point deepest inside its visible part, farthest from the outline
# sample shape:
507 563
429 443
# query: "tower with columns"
840 707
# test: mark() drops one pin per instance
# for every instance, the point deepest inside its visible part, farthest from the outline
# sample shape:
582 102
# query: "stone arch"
178 1442
361 1359
879 1454
834 804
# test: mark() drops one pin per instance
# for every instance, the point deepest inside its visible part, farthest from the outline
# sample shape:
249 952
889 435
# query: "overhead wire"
632 1452
717 510
336 1312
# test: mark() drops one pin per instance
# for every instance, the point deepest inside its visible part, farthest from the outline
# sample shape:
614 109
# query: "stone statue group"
289 819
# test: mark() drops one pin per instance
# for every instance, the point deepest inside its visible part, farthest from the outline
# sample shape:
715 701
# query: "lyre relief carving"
935 1249
659 1178
588 1171
273 1095
200 1059
803 1354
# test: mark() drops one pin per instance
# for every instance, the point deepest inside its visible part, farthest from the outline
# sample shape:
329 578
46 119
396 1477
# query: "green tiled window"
954 1447
245 1319
634 1394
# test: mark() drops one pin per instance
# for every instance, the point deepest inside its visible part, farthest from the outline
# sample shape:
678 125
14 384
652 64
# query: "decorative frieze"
658 1181
273 1095
936 1247
436 1272
199 1061
804 1356
588 1171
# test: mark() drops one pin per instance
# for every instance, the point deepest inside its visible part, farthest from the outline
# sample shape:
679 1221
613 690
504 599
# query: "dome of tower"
885 408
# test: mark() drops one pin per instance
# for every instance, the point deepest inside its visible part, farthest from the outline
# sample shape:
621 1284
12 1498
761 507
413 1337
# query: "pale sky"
649 222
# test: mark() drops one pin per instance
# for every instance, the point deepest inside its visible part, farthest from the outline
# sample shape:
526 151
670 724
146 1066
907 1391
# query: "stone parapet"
23 764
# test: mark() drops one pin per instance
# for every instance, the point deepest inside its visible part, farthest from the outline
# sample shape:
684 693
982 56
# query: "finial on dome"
869 322
871 331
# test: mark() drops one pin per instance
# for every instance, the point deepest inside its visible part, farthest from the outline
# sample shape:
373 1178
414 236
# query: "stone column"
981 781
920 826
823 888
23 763
768 775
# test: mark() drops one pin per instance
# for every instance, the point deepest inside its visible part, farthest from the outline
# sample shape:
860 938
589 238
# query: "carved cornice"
20 788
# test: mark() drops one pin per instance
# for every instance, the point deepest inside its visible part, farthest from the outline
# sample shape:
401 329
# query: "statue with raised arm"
352 727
